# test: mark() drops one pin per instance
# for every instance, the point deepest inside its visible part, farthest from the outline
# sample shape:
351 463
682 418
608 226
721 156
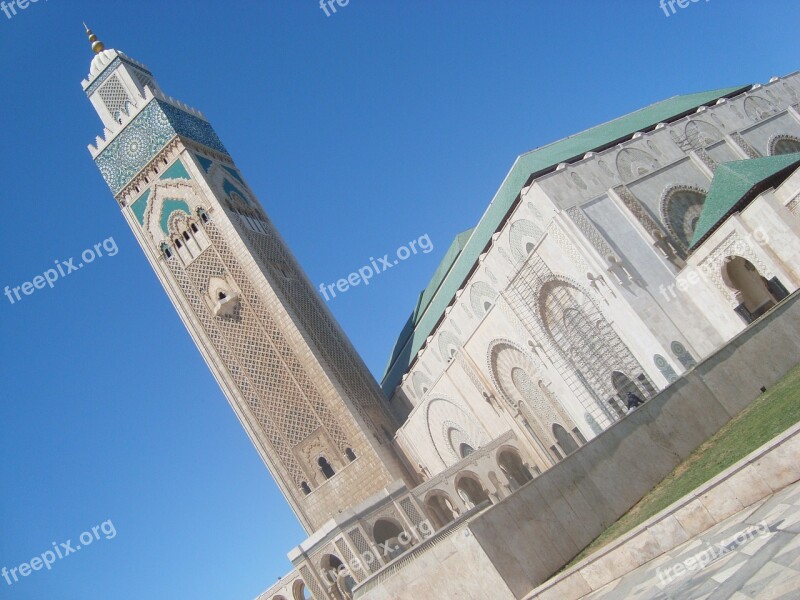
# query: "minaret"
310 406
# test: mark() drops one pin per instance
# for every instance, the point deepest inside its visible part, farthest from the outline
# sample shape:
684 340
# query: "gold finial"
97 45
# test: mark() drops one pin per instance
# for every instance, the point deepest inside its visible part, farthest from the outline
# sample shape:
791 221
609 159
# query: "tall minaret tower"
310 406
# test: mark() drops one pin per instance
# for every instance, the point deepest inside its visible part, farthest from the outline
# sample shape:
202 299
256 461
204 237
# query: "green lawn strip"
769 415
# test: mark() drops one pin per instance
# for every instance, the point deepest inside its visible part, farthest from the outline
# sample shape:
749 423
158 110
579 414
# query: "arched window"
565 440
633 163
510 463
389 535
755 294
700 134
326 467
471 491
784 144
581 332
440 509
465 450
351 456
299 591
305 487
680 211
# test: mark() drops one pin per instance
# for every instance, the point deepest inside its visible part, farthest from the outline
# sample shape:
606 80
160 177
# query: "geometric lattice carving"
794 205
575 335
260 359
706 159
568 247
141 73
114 96
411 511
744 145
591 233
585 337
311 583
638 210
329 341
349 558
359 541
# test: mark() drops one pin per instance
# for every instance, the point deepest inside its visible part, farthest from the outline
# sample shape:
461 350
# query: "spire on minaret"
97 45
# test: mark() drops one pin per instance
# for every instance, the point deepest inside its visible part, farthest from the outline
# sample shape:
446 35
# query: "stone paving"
754 554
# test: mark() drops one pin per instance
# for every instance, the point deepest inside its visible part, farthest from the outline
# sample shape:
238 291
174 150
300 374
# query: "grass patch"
769 415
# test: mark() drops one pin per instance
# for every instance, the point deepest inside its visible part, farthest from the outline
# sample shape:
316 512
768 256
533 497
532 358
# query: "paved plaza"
754 554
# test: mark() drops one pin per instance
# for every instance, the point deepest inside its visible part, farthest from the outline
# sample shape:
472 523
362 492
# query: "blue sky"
359 132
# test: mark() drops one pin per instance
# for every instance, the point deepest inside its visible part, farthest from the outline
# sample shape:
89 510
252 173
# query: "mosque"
610 262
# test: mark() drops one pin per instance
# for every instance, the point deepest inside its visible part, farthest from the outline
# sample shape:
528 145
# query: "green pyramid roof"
736 183
430 290
527 167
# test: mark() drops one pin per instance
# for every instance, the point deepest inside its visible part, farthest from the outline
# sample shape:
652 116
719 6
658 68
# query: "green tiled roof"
430 290
527 167
736 182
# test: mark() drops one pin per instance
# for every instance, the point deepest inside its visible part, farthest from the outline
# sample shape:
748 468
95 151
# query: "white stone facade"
601 233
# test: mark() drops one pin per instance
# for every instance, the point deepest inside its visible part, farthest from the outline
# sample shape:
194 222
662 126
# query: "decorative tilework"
234 172
666 369
229 189
149 132
193 127
135 147
170 206
139 207
592 233
176 171
206 163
